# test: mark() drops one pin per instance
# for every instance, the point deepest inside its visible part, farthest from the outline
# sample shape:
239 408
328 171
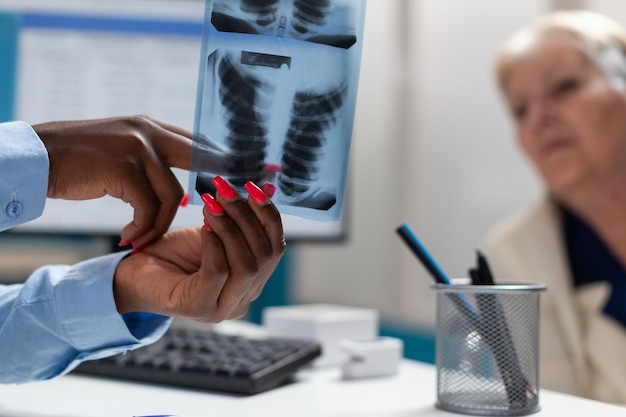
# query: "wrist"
121 289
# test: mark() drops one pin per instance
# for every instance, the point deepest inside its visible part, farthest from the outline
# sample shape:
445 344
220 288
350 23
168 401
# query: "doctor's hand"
127 158
209 273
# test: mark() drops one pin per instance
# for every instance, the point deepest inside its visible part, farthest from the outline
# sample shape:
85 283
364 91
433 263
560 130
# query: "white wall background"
616 9
432 147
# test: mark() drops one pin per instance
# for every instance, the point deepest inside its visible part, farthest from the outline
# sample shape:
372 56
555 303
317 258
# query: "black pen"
475 276
483 269
500 340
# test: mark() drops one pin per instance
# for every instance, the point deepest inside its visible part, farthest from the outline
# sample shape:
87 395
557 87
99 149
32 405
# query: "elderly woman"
564 82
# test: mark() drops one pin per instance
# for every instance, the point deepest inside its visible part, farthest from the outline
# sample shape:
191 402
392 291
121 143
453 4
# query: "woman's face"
570 119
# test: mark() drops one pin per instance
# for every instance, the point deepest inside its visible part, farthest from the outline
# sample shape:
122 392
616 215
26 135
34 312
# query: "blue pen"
437 273
422 254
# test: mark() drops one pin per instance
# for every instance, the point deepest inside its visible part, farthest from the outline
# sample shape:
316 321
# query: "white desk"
317 393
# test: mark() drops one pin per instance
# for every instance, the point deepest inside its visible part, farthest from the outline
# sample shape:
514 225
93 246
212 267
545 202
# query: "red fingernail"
224 188
124 243
207 226
269 189
185 200
140 248
255 192
273 168
211 204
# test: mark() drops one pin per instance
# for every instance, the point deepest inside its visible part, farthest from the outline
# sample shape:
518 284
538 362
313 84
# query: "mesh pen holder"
487 348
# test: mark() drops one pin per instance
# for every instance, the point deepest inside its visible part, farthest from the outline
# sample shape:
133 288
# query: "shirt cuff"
25 170
87 311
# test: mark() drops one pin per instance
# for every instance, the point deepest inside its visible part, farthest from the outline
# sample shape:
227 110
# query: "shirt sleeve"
24 168
64 315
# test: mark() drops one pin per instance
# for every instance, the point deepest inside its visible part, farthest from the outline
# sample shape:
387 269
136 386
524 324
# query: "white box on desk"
371 358
326 323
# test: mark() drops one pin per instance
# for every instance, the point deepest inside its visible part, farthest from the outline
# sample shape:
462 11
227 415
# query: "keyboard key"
209 360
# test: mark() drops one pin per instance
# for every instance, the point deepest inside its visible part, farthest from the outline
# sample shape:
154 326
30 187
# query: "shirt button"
14 209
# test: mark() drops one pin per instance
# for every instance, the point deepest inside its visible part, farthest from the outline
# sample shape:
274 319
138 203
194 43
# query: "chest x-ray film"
276 94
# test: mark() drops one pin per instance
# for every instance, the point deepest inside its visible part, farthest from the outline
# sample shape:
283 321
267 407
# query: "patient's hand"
205 275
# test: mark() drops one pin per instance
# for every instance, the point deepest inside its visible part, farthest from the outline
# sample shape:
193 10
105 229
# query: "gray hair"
603 39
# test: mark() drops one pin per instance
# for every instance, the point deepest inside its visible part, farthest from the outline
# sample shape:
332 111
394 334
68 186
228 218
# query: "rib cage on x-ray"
311 116
277 95
246 101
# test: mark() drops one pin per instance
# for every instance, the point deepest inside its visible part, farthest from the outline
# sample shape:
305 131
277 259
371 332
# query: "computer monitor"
82 59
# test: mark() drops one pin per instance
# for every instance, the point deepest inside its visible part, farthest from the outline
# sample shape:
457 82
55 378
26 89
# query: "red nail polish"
269 189
273 168
185 200
270 171
224 188
124 243
207 226
255 192
211 204
140 248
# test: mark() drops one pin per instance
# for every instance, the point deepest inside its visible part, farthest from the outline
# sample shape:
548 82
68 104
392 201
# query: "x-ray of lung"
276 100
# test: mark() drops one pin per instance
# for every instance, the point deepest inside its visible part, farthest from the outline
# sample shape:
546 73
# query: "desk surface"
316 393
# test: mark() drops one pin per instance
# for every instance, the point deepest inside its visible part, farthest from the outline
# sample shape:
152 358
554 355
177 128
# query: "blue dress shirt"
62 314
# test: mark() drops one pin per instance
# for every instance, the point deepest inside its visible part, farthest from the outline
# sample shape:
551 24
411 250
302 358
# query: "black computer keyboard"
210 360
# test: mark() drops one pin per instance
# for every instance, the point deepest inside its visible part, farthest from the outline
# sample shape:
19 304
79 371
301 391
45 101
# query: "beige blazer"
582 351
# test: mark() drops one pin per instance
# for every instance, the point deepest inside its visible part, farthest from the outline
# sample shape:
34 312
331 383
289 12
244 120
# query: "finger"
266 237
208 156
174 129
267 243
213 277
172 144
154 195
245 219
268 216
203 142
169 194
243 263
176 147
255 290
267 255
138 192
250 228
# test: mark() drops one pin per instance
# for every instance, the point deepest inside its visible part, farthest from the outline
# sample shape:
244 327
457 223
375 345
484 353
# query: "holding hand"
208 274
